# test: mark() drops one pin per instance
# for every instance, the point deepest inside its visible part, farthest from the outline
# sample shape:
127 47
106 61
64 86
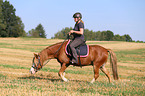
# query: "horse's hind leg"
96 72
105 71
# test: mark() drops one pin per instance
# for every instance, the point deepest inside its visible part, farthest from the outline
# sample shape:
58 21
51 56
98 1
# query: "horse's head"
36 64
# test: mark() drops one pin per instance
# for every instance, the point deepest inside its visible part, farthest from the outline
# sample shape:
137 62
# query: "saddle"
82 50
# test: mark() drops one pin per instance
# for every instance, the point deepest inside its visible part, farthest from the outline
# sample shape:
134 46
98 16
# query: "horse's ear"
35 55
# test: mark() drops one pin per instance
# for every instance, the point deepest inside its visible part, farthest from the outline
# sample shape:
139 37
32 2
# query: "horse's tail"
113 62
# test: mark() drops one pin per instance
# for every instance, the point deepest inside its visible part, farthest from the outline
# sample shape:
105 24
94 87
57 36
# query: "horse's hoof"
93 80
65 80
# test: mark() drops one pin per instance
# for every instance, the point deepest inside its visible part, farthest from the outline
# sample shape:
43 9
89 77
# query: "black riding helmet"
77 15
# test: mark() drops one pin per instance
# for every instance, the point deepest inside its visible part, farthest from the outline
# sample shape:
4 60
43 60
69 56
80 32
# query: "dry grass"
16 58
116 45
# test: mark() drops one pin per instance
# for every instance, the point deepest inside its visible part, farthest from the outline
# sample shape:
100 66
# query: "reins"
62 44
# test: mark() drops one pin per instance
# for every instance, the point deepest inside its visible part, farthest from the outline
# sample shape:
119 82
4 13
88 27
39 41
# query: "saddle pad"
83 49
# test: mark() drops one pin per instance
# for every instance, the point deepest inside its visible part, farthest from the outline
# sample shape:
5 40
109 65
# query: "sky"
119 16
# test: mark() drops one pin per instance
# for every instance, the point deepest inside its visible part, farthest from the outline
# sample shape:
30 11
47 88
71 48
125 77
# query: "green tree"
10 18
37 32
20 27
128 38
63 33
3 33
33 33
109 35
103 36
13 24
40 30
86 34
119 38
98 35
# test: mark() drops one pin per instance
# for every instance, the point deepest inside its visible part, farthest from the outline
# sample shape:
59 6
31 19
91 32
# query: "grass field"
16 59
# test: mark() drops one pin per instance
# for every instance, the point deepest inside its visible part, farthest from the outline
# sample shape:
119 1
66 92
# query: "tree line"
94 35
12 25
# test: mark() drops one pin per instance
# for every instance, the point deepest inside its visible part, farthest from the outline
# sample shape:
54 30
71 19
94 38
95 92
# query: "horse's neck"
54 48
51 51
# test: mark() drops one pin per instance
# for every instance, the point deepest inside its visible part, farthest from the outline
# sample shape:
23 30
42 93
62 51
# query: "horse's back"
98 48
97 51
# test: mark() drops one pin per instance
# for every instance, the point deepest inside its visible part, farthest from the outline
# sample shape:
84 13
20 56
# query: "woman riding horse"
78 34
97 56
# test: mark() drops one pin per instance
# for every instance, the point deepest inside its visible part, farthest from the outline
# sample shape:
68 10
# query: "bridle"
34 65
39 63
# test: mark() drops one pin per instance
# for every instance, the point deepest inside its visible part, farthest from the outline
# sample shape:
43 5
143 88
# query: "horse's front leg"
61 72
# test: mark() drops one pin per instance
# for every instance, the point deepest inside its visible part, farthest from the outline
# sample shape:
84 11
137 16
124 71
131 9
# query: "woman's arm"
77 32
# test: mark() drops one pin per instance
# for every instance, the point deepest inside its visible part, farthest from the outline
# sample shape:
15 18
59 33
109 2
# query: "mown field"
16 59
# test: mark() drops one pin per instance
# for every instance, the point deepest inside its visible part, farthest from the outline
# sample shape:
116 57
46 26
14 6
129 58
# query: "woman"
78 34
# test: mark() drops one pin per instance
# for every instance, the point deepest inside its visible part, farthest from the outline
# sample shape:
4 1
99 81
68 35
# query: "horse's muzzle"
32 71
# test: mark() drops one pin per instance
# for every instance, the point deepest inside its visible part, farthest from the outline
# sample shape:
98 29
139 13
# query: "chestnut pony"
97 58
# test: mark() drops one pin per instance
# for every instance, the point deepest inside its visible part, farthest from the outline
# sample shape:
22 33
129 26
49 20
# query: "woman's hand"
71 31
